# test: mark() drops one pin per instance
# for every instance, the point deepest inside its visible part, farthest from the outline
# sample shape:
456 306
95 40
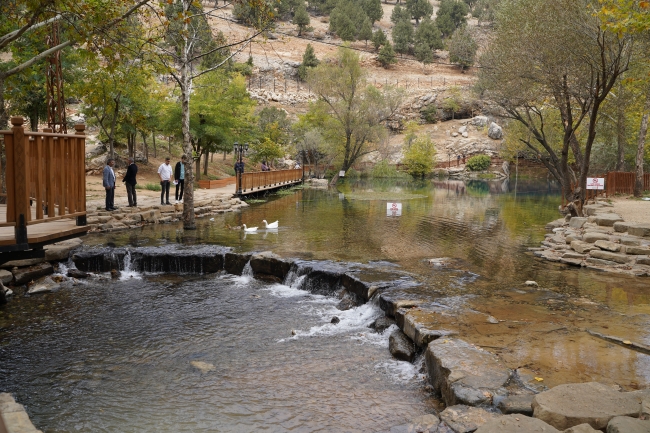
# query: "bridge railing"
45 176
249 182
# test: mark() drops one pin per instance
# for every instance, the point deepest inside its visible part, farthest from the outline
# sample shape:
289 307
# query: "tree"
419 9
451 15
485 10
551 65
265 150
301 19
346 19
309 60
365 33
20 20
379 38
419 156
373 10
427 38
349 111
462 48
403 36
386 55
399 14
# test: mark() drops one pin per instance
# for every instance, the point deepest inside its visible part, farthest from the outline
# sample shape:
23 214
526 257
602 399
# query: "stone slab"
423 326
581 428
267 265
621 226
572 255
624 424
22 263
582 247
639 229
516 424
631 241
517 404
608 246
592 237
607 219
599 262
24 275
400 346
640 251
577 222
572 262
614 257
6 277
466 419
592 403
463 373
61 250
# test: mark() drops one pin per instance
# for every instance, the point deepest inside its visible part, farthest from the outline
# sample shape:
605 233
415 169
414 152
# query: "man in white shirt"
165 174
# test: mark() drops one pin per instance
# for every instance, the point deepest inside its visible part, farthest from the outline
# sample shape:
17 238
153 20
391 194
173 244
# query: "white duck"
273 225
249 229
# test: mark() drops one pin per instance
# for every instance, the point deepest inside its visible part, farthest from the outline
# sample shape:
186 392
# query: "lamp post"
239 150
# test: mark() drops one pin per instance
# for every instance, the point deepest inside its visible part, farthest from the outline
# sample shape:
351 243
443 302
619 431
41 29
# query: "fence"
46 169
220 183
620 182
249 182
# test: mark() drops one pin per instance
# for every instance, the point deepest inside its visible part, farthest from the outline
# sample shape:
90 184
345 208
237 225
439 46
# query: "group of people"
164 173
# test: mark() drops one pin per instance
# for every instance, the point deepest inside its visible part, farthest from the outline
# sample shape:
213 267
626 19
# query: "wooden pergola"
45 200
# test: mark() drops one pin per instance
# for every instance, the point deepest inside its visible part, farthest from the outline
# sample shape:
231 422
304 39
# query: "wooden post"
22 213
38 180
81 143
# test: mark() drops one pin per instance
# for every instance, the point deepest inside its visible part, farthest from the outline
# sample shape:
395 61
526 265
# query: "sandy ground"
631 209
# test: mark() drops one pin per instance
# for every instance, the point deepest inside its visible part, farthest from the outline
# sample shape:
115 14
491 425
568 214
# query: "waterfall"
127 273
248 270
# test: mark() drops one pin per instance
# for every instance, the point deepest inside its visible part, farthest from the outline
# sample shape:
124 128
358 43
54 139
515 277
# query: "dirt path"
631 209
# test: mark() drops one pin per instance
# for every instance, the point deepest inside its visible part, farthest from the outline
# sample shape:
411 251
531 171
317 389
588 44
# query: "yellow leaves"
627 341
539 379
644 4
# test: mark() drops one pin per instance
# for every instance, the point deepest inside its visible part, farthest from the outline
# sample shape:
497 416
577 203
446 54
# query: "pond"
167 353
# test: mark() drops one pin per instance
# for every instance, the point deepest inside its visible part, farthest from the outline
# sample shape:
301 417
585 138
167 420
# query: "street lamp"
239 150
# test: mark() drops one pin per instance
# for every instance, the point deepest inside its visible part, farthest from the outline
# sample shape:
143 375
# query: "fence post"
80 129
20 173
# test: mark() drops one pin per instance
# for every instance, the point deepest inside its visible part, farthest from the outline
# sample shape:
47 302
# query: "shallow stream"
216 353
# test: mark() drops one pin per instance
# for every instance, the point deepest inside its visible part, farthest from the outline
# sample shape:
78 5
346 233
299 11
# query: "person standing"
129 181
108 180
179 175
239 167
165 174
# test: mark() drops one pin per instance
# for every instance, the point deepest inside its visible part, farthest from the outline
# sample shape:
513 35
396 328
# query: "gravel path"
632 210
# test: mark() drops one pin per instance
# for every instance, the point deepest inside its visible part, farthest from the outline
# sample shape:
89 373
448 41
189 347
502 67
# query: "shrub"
430 113
478 163
149 186
383 169
419 156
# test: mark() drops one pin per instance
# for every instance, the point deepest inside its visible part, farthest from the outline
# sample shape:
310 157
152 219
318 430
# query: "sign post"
596 183
393 209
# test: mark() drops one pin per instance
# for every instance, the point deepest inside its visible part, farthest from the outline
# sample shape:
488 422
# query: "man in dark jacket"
179 175
129 181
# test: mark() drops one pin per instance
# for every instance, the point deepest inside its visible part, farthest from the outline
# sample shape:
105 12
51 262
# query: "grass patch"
149 186
254 200
381 195
289 191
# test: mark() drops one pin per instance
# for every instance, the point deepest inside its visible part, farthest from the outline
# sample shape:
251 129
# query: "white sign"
595 183
342 173
393 209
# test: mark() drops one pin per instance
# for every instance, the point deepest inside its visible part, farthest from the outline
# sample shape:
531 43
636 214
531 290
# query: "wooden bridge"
251 183
45 200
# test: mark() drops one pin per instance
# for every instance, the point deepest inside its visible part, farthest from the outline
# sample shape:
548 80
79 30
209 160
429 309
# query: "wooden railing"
620 182
249 182
45 176
219 183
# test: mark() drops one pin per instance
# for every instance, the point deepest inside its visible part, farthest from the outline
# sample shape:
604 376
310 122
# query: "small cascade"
291 276
127 273
248 270
62 269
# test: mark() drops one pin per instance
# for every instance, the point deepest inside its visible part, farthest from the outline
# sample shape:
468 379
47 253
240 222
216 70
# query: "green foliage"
373 10
365 34
346 19
452 101
386 55
265 150
274 124
430 113
485 10
301 19
379 38
309 60
149 186
419 154
400 14
403 36
427 38
478 163
451 15
385 170
419 9
462 48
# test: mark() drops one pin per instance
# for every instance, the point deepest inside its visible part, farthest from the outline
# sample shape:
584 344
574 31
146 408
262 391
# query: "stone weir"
480 393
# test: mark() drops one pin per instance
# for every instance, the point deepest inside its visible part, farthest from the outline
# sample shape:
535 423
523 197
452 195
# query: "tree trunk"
224 155
33 119
620 137
4 116
189 222
153 138
169 145
205 162
145 147
640 148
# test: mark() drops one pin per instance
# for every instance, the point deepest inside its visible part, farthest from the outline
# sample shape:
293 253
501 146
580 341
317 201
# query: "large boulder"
495 132
590 403
24 275
522 404
479 121
6 277
400 346
463 373
61 250
516 424
267 265
624 424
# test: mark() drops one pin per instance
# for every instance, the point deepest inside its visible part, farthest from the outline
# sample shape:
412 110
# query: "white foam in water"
127 273
248 270
399 371
282 291
62 269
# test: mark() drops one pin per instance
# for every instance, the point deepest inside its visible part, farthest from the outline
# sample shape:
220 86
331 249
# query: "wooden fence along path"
220 183
620 182
46 187
249 183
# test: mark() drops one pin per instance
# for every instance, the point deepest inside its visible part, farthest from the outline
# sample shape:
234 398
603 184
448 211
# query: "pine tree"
427 38
379 38
403 36
309 60
365 34
462 48
451 15
399 14
301 18
419 9
373 9
386 55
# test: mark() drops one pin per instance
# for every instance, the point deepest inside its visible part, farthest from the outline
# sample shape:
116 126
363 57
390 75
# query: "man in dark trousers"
129 181
108 181
179 175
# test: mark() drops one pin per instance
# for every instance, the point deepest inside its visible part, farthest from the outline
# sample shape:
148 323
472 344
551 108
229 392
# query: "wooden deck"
252 183
42 233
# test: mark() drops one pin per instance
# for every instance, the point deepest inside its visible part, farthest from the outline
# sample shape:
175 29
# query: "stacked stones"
102 220
600 241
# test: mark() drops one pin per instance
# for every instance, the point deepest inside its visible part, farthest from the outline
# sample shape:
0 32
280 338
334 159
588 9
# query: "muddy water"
100 358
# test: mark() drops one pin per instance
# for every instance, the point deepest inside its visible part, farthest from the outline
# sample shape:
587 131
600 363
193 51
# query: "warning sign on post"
595 183
394 209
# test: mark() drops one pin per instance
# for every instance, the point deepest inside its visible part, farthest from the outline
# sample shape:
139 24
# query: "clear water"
117 356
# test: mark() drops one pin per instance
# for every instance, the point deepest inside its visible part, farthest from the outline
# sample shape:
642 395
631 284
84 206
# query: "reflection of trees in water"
478 187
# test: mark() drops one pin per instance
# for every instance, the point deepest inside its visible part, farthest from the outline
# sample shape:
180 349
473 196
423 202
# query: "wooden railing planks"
249 182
